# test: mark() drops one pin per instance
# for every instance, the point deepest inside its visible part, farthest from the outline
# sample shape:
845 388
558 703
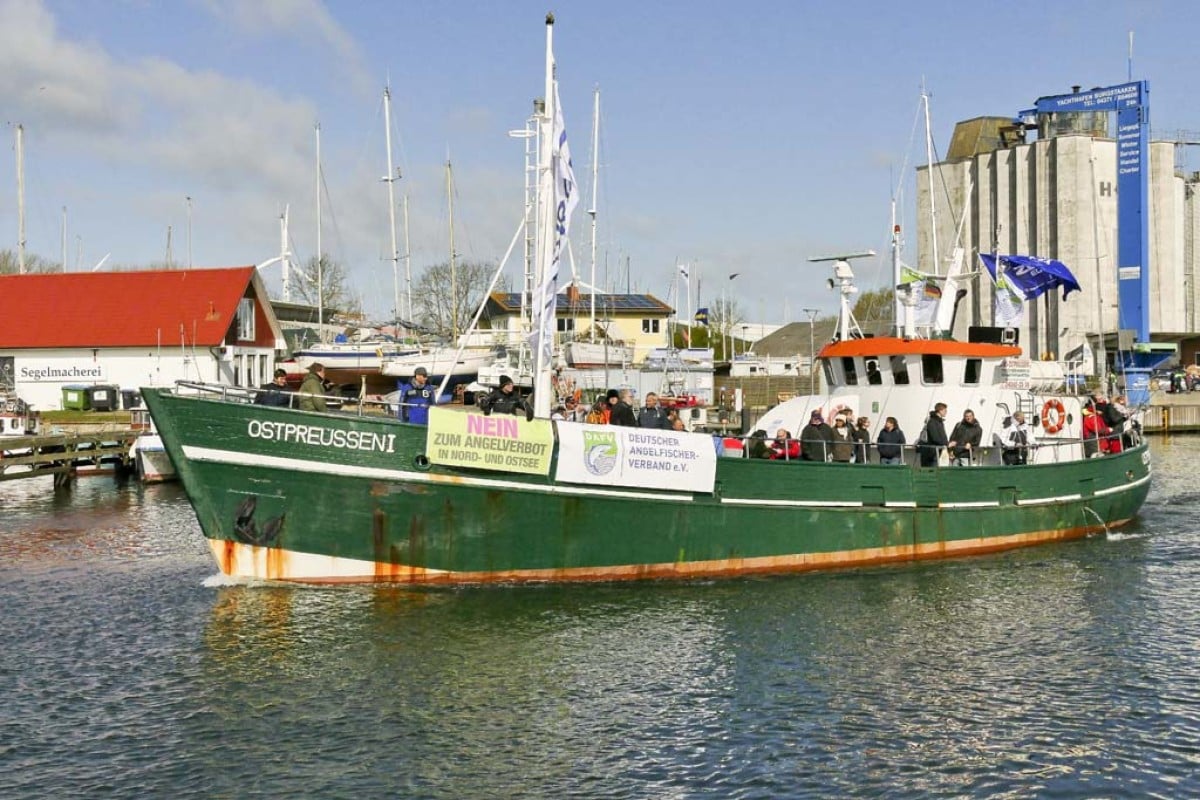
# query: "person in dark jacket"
861 434
890 442
275 393
622 410
756 445
965 439
934 436
505 400
816 439
652 414
416 398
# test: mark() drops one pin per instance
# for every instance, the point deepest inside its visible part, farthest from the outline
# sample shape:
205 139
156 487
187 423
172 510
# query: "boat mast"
900 320
283 259
407 266
320 254
929 177
546 230
20 199
390 178
64 239
592 210
453 268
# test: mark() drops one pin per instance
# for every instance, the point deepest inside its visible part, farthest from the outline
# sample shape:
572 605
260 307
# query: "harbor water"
129 669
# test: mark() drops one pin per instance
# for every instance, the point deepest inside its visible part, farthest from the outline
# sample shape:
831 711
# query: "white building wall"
40 375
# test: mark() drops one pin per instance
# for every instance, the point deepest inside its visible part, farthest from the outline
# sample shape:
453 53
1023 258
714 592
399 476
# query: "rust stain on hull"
389 571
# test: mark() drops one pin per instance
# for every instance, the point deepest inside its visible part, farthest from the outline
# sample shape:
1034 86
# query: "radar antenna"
843 279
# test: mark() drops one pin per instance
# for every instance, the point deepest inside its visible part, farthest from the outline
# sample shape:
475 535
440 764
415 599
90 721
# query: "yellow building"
637 321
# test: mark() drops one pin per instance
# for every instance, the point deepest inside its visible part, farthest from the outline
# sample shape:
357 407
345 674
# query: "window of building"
650 326
899 371
931 368
974 369
850 371
245 319
566 324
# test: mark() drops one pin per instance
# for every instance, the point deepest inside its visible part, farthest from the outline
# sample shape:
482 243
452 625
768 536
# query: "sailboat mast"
391 180
320 255
20 199
283 259
407 265
897 303
592 210
64 239
453 268
929 176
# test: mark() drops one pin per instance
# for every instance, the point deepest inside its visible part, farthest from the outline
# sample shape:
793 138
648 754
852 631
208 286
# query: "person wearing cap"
416 397
312 390
622 409
505 400
275 393
816 439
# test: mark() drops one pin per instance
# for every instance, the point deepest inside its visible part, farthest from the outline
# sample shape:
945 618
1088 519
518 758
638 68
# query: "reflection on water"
1061 670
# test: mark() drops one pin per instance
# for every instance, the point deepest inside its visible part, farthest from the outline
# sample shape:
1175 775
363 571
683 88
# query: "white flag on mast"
565 197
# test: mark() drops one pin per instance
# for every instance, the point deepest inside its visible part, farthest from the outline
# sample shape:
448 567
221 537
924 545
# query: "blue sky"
742 138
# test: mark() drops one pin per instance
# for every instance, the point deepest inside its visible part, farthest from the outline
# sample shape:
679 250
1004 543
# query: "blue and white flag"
565 197
1030 276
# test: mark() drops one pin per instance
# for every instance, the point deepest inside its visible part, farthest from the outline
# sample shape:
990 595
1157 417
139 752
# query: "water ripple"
129 670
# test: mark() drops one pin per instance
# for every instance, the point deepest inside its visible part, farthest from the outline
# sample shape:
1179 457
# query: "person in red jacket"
784 446
1094 433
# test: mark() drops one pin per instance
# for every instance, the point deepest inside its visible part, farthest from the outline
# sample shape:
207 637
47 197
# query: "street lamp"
812 351
745 347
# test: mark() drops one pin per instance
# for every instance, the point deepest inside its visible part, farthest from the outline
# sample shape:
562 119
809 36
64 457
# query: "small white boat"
597 354
753 365
16 416
438 361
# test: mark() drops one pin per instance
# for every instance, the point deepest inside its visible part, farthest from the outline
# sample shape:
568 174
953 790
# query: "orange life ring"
1054 416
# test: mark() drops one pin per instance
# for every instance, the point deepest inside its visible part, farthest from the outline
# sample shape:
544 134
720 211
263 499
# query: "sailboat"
287 495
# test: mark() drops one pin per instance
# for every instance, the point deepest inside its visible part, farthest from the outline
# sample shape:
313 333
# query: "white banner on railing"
609 455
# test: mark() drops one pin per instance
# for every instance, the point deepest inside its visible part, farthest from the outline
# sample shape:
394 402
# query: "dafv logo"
599 452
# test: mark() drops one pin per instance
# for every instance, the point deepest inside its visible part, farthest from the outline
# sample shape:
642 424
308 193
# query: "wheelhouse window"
874 376
827 368
899 371
974 369
245 319
849 369
931 368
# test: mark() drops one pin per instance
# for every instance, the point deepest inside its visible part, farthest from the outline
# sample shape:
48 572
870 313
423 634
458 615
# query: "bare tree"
724 314
9 263
332 292
440 309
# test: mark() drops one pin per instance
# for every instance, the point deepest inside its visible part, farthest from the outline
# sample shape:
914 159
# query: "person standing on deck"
416 398
622 410
275 393
890 442
843 441
505 400
816 438
1016 441
652 414
964 439
861 434
933 436
312 390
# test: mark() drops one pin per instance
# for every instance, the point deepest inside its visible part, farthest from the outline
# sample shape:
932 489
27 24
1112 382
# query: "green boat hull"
347 498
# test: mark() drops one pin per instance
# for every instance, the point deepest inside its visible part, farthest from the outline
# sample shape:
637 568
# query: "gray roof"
793 338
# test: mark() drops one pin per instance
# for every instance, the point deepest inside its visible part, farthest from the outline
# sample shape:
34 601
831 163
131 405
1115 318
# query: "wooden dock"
63 454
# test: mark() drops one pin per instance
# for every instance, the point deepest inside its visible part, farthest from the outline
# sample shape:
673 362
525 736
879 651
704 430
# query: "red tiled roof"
120 309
